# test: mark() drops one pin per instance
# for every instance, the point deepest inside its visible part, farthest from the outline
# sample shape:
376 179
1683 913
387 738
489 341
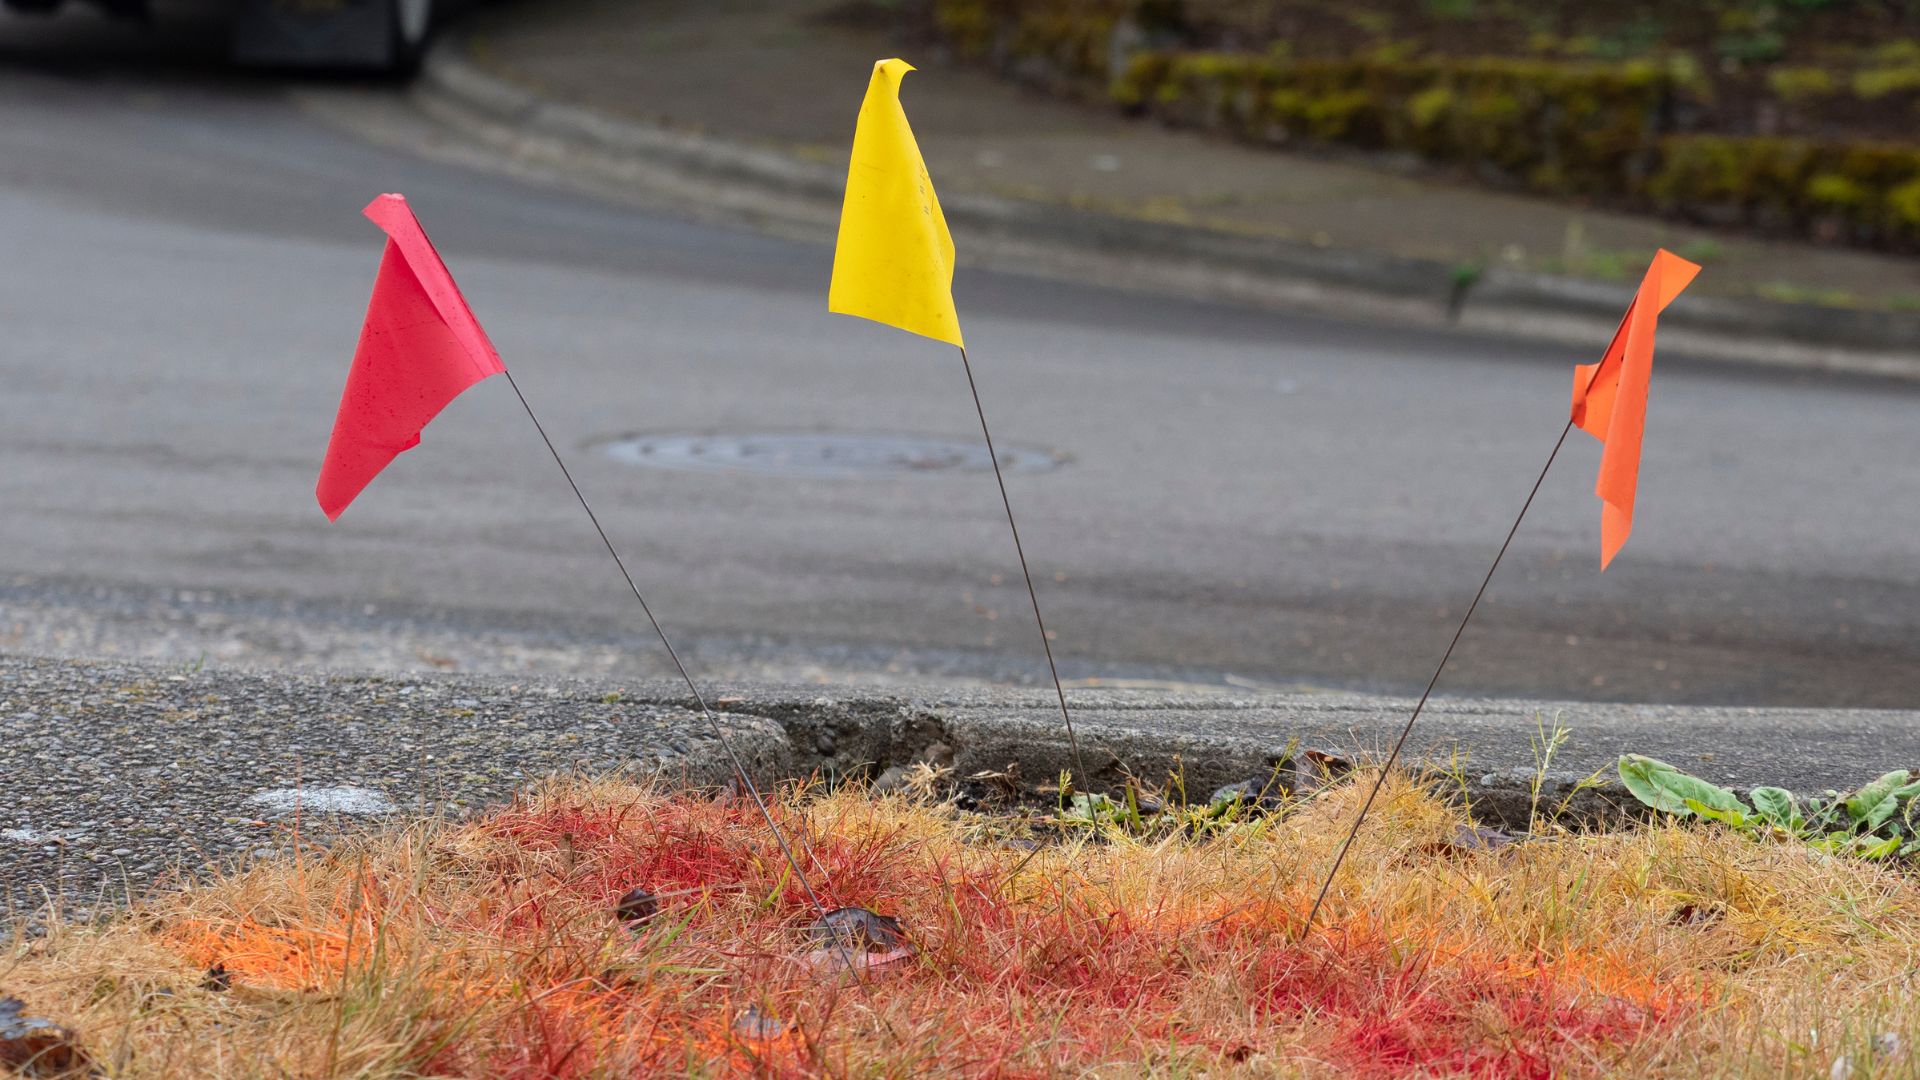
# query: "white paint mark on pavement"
35 836
323 800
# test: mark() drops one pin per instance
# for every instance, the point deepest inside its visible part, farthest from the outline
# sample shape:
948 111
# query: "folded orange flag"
1610 397
419 349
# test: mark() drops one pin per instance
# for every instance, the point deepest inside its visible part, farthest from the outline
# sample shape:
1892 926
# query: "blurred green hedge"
1551 126
1626 132
1867 193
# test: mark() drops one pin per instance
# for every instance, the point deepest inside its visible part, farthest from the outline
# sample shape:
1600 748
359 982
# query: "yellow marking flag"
894 262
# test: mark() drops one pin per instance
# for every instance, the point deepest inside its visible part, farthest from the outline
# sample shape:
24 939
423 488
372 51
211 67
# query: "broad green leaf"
1091 808
1667 789
1823 814
1776 807
1909 805
1872 805
1866 848
1728 816
1834 843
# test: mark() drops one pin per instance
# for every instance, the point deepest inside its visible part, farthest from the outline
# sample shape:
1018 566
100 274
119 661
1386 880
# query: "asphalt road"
1291 500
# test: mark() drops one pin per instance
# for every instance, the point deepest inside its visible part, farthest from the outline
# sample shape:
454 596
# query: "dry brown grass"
489 949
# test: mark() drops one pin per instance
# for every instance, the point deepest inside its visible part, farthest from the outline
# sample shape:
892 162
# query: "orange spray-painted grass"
490 948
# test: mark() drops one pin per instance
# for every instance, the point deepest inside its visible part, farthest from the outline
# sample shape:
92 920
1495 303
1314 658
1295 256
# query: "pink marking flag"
419 349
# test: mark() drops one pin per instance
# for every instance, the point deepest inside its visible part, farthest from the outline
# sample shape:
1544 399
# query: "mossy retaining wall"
1636 133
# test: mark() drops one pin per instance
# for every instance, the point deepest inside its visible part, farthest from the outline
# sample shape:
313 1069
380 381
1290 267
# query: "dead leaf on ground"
1145 801
853 938
31 1046
1315 769
636 907
1256 794
1692 914
992 788
924 780
1470 839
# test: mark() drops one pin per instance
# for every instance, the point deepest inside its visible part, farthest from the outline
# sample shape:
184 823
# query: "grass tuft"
492 948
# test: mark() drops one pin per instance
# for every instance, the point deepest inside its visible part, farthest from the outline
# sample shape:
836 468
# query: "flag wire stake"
1073 741
739 766
1341 856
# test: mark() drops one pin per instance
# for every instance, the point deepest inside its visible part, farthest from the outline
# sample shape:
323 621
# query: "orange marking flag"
419 349
1610 397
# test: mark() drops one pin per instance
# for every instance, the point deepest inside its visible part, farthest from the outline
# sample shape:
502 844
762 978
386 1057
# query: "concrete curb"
1495 749
138 767
768 186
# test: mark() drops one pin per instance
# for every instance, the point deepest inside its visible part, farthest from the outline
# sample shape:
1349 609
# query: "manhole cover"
823 455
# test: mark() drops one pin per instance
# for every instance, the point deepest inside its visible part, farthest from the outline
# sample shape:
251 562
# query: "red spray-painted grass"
1017 975
1389 1017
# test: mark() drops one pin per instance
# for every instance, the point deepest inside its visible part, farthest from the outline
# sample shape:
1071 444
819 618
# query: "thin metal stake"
739 766
1408 730
1073 741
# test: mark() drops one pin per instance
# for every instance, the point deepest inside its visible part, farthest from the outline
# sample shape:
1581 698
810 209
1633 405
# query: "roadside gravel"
121 777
